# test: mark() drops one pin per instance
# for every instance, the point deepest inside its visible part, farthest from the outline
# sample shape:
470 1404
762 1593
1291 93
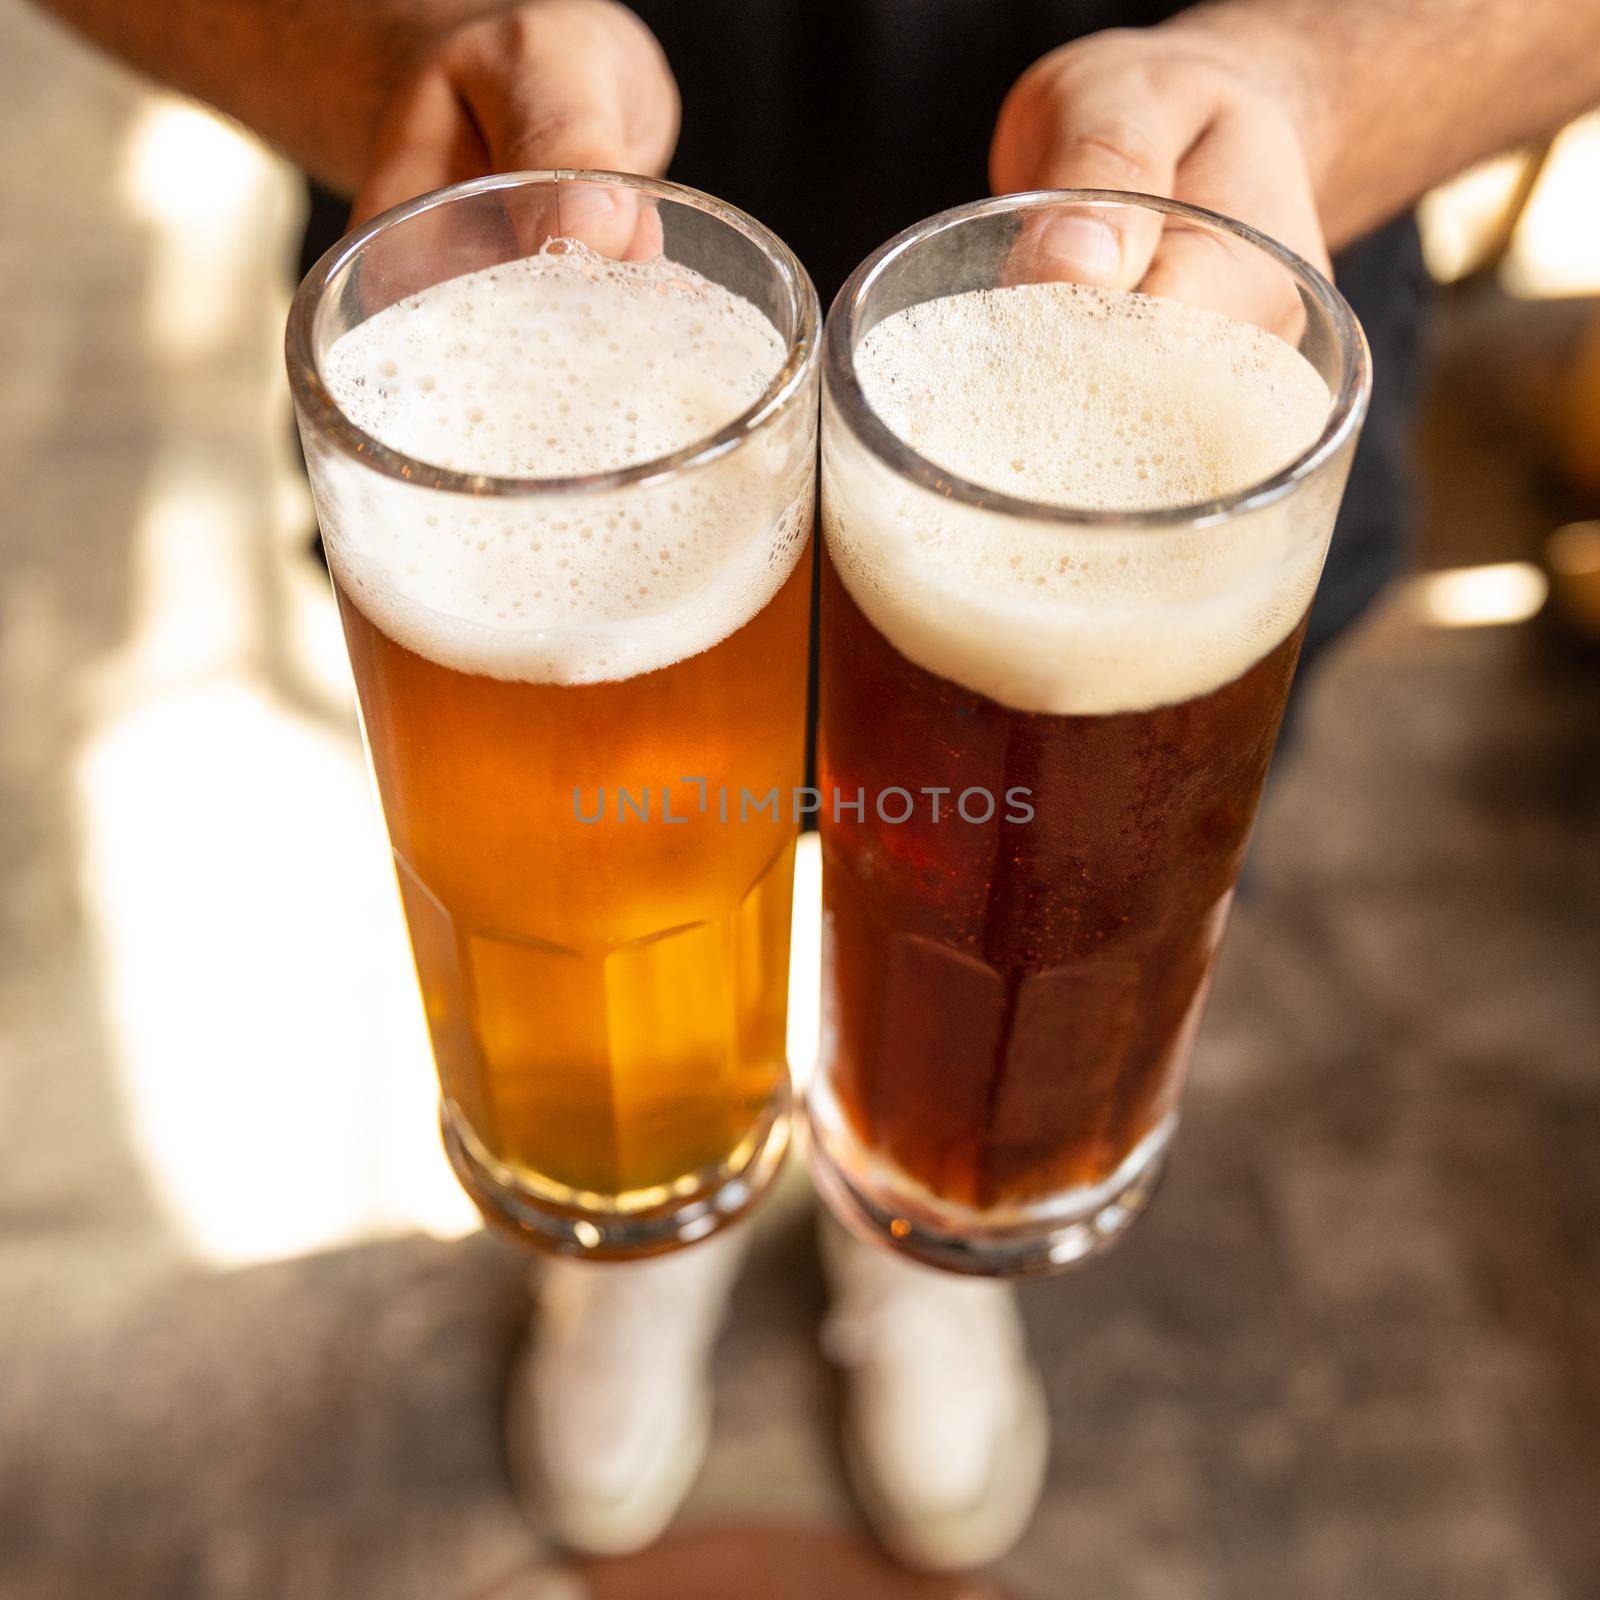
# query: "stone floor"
249 1345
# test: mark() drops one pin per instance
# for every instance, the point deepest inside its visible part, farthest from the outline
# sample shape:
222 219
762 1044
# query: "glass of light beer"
1071 534
566 497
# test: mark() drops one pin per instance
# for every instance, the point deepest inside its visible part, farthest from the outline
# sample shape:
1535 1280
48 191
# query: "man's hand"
1177 111
550 83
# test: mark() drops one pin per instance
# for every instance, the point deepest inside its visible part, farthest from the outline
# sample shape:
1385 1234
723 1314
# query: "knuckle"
1124 149
564 136
535 26
1176 77
1202 248
1114 54
1109 44
483 47
549 125
515 32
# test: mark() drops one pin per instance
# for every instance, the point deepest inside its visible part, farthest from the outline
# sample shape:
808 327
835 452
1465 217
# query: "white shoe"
946 1433
609 1411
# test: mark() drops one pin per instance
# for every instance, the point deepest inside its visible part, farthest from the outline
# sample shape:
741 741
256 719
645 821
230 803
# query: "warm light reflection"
185 164
213 195
1556 249
1475 597
1460 219
191 573
267 1034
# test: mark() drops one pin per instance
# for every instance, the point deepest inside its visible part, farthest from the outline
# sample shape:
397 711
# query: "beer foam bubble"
562 364
1097 400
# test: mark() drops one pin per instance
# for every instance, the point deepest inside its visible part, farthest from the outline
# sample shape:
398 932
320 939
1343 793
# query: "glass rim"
324 415
1346 409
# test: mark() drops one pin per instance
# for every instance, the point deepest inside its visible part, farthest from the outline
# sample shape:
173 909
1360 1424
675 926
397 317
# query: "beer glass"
566 499
1071 533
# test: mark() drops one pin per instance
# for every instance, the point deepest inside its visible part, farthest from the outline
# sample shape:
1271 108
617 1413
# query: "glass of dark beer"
561 433
1072 532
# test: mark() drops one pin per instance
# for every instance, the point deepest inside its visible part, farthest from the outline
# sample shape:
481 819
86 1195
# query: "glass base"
881 1204
624 1231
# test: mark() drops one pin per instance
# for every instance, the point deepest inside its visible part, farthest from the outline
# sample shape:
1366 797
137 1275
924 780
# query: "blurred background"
252 1339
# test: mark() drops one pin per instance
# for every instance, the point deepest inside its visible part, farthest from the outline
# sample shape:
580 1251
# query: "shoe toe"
603 1467
940 1498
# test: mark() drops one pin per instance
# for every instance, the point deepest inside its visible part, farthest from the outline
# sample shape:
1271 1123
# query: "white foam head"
554 366
1095 400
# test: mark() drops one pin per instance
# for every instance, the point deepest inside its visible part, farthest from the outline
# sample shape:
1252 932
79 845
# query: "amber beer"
567 512
1063 598
603 964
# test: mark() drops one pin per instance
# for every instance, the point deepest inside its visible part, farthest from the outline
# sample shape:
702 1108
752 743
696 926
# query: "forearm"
310 76
1396 95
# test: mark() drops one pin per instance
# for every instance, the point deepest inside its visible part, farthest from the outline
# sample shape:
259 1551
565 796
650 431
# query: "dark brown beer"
1072 535
1011 1001
1084 700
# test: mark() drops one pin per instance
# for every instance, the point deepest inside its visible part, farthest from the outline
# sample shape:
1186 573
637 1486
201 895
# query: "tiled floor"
249 1346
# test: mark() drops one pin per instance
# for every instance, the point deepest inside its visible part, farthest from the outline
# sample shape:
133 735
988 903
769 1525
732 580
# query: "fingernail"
1080 247
585 213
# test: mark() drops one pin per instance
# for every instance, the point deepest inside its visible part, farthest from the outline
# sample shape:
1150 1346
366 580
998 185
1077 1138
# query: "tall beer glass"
1071 535
566 501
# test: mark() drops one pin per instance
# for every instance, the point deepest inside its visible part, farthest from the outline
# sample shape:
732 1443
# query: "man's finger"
648 239
428 139
1230 170
556 86
603 216
540 120
1078 134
